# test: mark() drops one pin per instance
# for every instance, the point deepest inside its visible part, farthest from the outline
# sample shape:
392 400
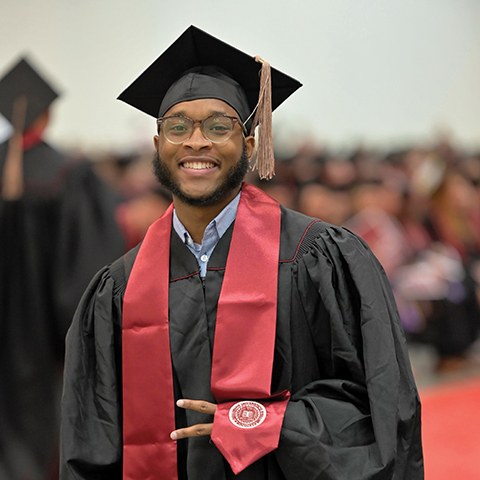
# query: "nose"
197 141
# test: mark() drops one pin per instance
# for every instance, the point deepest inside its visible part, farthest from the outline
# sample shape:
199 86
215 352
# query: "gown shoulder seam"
311 233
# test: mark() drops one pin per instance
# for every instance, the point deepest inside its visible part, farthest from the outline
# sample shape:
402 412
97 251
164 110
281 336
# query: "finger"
198 405
199 430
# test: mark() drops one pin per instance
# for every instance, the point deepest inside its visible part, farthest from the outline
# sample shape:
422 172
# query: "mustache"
232 180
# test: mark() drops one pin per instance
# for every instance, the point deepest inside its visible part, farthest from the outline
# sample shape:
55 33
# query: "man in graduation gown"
57 228
240 339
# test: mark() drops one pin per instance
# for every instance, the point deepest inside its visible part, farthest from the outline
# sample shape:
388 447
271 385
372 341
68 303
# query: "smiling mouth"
198 165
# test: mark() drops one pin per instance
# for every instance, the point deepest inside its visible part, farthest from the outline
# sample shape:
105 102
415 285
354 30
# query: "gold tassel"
265 161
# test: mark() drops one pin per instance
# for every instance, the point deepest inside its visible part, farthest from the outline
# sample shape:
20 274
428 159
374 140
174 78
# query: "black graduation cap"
23 79
198 65
197 51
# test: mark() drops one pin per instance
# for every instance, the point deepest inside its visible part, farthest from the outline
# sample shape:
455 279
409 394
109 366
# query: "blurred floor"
450 429
424 362
450 415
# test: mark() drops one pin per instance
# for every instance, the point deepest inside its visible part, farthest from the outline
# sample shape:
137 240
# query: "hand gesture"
195 430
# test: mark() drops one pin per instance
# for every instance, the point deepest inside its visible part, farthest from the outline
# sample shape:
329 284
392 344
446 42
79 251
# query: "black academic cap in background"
196 48
23 79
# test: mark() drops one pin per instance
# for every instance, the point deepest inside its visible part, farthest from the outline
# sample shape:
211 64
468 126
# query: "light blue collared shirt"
213 233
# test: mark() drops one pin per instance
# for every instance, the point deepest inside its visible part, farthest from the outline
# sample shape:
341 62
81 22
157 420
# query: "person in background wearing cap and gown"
57 229
240 339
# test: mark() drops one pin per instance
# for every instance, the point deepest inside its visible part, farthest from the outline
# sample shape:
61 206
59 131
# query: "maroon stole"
31 138
248 419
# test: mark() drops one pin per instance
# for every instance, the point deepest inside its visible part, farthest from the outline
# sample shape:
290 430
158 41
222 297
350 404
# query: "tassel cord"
265 161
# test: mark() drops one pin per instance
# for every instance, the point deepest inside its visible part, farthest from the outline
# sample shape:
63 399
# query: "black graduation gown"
340 350
52 241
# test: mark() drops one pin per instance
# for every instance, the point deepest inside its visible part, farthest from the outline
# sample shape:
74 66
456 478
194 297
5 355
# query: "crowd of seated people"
418 209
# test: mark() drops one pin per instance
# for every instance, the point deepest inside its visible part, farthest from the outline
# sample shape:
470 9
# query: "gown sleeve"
87 237
91 430
360 417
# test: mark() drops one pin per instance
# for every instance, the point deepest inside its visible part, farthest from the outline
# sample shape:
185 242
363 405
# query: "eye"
219 125
177 126
219 128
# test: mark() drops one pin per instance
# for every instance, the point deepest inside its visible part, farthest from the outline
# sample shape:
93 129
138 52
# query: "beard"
232 181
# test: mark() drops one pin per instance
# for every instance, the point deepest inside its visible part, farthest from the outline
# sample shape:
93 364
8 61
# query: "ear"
155 141
250 146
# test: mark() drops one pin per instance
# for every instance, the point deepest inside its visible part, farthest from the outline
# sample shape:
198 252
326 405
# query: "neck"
196 219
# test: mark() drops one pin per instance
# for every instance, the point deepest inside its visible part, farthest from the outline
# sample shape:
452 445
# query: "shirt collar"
219 224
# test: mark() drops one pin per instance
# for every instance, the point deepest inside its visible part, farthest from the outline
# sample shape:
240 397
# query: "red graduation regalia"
243 349
339 349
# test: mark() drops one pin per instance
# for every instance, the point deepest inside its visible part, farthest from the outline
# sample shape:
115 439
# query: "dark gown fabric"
340 350
52 241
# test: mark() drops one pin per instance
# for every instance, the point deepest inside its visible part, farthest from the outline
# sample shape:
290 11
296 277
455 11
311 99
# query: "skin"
200 429
198 184
201 184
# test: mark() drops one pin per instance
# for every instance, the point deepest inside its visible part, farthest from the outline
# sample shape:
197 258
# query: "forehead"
201 108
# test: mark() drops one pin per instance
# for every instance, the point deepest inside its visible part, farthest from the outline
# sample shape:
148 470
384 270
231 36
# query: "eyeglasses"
215 128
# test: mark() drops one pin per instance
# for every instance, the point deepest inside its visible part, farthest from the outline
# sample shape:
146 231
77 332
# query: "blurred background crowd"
418 208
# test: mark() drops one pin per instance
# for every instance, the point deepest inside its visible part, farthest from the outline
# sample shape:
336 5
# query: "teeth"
198 165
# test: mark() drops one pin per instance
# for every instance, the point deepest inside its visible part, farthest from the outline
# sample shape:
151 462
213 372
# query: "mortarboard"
198 65
23 79
196 48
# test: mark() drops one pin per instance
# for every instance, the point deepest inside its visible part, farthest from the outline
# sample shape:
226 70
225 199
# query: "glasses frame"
201 122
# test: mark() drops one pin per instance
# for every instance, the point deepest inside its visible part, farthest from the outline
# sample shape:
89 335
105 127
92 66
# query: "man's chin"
194 193
197 198
204 199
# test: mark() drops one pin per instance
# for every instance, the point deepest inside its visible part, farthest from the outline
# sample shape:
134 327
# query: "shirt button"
203 258
190 242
